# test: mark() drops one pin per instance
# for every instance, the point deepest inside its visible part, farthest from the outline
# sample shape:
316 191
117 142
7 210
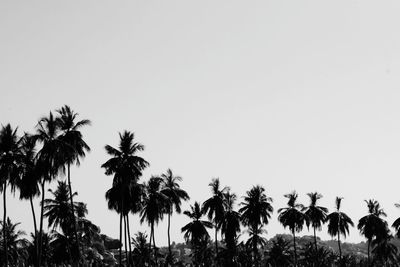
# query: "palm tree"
315 215
372 225
292 217
142 249
385 252
396 223
50 160
255 212
214 208
16 243
196 231
175 195
154 207
279 254
230 225
10 167
76 149
127 167
338 223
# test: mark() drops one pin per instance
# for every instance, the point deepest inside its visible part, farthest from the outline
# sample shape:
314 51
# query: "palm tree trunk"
154 244
255 251
129 239
73 212
315 247
34 224
39 256
120 240
369 244
4 223
126 245
169 238
294 246
340 249
216 243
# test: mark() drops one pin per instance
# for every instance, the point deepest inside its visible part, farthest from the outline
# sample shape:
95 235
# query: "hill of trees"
29 162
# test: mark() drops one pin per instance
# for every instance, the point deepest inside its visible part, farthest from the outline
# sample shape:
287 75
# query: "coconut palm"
315 215
175 194
50 160
154 207
372 225
195 231
214 207
338 224
17 245
10 168
76 149
126 167
230 225
255 213
142 249
293 218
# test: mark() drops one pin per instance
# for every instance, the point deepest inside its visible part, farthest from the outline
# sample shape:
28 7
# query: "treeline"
31 161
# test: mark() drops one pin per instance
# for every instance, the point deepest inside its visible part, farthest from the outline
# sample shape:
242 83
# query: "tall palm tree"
230 225
10 167
175 194
76 149
126 167
50 160
315 215
293 218
195 231
372 225
338 224
154 207
214 207
255 212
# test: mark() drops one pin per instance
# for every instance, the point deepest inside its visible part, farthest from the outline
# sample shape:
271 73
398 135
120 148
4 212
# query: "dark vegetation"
29 162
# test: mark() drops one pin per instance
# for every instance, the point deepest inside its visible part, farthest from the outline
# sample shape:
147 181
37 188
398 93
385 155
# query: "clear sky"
292 95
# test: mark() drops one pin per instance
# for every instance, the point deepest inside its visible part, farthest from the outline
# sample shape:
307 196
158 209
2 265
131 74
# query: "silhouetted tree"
10 168
338 224
372 225
255 213
293 218
175 195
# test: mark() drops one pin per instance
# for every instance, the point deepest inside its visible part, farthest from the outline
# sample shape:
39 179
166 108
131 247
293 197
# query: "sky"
290 95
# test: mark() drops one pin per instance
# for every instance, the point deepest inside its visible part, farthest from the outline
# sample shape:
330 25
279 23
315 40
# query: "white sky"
287 94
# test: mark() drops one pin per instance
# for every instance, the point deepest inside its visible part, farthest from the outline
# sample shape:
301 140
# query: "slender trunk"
369 244
216 243
5 223
120 240
294 245
39 256
34 225
169 238
255 251
126 245
129 239
154 243
73 212
315 247
340 249
151 237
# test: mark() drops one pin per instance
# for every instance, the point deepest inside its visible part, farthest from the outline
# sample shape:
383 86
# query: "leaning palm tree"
315 215
372 225
10 167
214 208
175 195
195 231
255 213
154 207
76 149
338 224
293 218
50 161
126 167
